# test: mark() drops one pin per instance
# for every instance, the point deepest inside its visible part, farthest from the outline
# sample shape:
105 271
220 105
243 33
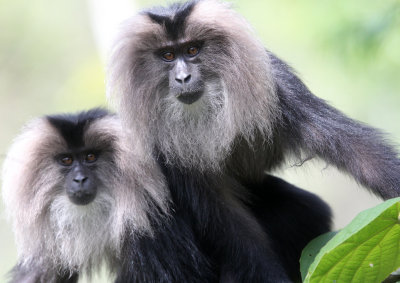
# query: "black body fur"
171 255
254 235
290 216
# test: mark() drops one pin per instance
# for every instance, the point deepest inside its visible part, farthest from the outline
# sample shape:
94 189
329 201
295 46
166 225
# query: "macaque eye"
66 160
168 56
90 158
193 51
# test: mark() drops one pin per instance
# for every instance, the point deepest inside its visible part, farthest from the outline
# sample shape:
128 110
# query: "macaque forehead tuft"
172 19
71 127
191 21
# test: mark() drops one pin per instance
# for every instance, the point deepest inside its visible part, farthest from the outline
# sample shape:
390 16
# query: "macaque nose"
183 78
182 73
80 178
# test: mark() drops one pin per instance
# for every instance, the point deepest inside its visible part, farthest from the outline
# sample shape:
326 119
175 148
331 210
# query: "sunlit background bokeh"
52 59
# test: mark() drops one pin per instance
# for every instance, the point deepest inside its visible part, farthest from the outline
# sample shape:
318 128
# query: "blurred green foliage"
369 35
348 52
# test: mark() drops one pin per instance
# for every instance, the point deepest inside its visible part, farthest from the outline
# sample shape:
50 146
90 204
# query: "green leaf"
367 250
311 250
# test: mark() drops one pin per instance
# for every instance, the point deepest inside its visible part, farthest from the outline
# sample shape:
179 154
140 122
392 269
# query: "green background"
347 52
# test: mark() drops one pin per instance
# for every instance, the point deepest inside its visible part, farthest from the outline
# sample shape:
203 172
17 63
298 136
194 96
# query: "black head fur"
172 17
72 126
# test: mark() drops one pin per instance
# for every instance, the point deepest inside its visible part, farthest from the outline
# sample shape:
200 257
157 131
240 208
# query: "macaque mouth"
189 97
81 197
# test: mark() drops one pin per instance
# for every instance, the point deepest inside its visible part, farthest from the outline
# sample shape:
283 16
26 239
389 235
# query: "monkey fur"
75 194
220 113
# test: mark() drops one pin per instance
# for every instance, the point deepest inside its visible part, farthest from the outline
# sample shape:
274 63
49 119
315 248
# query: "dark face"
183 61
79 168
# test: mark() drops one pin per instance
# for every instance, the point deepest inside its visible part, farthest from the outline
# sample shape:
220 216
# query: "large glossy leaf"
366 250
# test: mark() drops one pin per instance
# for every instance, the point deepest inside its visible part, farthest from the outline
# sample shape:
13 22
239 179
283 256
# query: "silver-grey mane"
55 235
240 98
